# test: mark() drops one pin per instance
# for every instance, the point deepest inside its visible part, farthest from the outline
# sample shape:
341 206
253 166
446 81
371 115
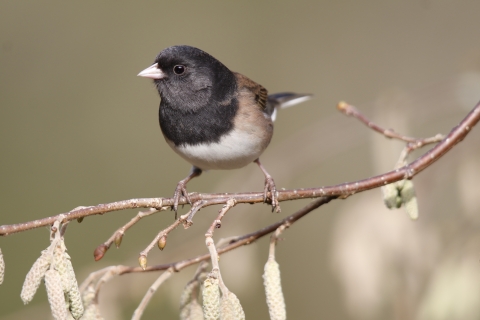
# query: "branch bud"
342 106
118 239
100 252
162 242
142 260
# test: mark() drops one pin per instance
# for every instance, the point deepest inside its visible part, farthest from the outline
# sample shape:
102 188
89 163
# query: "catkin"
35 276
230 307
409 199
56 298
273 291
2 267
390 196
211 299
190 308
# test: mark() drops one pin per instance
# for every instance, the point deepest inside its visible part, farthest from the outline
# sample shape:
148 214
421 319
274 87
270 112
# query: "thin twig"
197 205
117 236
350 110
217 223
106 276
148 296
412 146
179 265
162 233
185 220
213 253
235 243
211 245
275 237
100 277
412 143
92 277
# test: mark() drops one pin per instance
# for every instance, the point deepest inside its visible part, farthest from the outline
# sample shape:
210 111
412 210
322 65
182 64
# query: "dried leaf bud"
118 239
409 199
100 252
211 299
56 298
34 276
142 261
162 242
273 291
2 267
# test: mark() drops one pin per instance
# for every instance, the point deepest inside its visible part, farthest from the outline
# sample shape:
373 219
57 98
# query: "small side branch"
148 296
217 223
100 277
350 110
234 243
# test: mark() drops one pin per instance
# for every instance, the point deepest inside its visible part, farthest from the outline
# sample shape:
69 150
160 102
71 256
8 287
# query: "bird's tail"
285 100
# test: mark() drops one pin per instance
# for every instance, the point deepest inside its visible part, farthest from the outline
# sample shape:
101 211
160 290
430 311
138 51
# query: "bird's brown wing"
258 92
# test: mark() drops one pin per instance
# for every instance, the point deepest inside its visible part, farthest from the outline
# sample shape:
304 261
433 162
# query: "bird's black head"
188 78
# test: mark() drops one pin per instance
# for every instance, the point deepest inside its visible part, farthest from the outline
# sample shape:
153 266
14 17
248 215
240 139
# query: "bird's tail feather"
285 100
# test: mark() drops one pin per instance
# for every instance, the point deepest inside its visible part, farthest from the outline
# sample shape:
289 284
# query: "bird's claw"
180 191
270 187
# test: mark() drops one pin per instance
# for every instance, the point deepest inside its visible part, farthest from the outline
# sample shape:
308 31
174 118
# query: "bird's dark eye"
179 69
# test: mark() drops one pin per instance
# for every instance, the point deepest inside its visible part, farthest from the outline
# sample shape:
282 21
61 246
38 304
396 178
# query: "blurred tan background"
79 128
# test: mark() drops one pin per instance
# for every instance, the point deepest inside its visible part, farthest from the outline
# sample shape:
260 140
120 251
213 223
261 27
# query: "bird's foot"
270 187
180 191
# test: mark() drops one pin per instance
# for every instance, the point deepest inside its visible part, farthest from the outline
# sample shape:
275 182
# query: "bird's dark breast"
204 125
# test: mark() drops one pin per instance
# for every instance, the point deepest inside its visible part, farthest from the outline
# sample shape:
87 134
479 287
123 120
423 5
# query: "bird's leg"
181 189
269 187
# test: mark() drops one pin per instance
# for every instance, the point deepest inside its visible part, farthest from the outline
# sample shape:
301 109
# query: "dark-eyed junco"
212 117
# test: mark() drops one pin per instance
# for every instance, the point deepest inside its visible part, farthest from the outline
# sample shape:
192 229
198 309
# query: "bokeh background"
77 127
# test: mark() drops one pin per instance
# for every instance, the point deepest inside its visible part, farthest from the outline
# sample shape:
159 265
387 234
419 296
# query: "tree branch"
343 190
232 244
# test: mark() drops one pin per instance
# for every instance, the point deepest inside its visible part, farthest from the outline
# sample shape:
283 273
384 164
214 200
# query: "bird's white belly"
235 150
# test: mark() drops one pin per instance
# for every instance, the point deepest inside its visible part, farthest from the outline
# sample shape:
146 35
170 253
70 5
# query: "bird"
214 118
